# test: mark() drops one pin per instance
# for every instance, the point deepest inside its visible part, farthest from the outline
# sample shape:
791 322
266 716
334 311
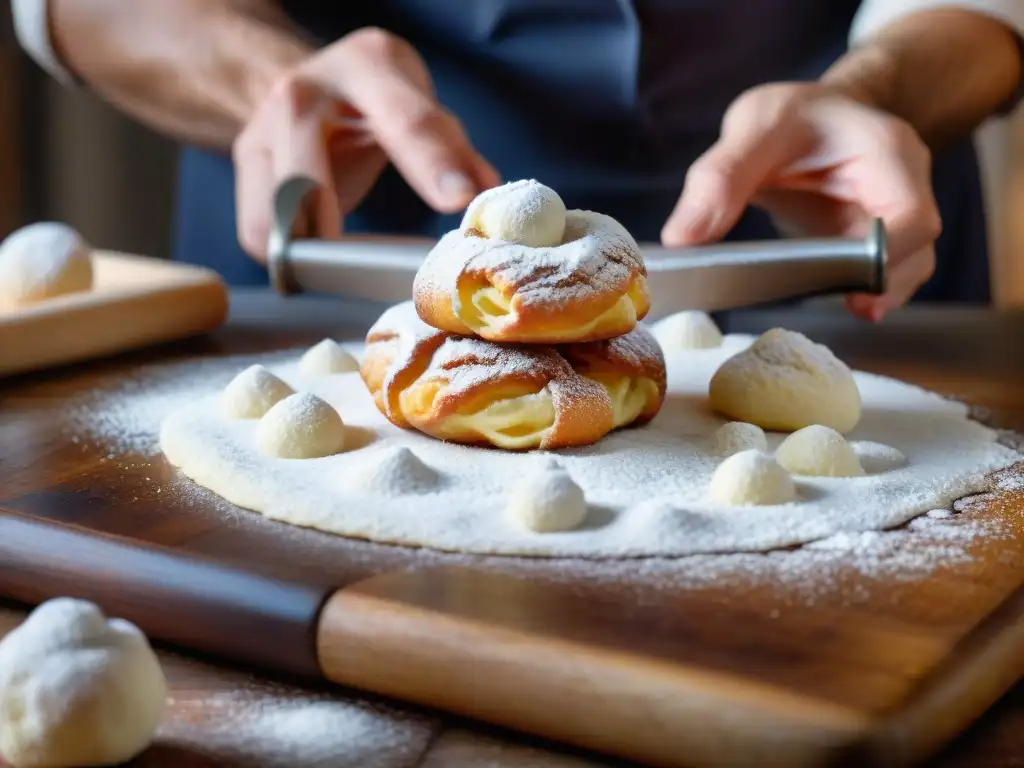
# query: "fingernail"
455 184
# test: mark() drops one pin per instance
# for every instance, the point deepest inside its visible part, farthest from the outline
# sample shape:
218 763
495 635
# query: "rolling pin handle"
288 202
878 247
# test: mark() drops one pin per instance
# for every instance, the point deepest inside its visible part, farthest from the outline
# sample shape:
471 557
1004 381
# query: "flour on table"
275 731
646 488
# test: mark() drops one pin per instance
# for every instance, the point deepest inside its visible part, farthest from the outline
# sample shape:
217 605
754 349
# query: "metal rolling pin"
714 277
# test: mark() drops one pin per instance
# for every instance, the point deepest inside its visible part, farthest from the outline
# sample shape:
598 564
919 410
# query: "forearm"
194 69
943 71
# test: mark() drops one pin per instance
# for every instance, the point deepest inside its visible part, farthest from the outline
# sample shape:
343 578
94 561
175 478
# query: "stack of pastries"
523 330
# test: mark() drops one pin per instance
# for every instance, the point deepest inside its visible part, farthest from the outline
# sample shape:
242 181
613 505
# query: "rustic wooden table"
220 716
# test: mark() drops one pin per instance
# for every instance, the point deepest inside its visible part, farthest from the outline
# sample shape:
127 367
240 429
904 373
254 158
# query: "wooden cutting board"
862 668
135 302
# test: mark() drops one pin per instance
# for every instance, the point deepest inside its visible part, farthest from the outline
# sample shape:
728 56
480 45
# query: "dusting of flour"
597 258
646 488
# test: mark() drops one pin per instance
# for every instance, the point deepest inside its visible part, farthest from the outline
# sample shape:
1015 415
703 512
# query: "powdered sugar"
597 260
646 487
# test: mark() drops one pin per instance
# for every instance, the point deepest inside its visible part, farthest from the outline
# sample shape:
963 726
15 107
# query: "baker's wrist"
866 74
263 52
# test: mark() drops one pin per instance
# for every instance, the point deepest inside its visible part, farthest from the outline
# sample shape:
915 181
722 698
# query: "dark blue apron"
607 101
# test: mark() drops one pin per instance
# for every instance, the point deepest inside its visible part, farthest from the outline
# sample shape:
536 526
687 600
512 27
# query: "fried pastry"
590 284
470 391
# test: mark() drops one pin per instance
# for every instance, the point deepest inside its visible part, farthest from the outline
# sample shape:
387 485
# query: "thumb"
722 182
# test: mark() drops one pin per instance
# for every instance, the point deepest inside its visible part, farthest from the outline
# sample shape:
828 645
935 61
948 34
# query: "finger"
254 188
894 183
904 281
723 181
299 136
356 170
424 141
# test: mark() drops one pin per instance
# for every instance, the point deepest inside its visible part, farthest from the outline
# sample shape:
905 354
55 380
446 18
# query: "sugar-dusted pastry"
631 368
513 272
475 392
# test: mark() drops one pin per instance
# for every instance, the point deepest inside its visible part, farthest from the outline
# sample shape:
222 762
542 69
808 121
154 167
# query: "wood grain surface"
854 640
135 302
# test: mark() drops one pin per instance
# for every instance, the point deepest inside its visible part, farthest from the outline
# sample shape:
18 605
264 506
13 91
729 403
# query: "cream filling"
491 311
628 396
516 423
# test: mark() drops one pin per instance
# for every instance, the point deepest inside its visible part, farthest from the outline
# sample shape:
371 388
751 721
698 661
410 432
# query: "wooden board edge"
576 693
206 310
983 666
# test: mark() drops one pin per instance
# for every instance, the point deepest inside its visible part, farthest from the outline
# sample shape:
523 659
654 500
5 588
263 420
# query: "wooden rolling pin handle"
177 598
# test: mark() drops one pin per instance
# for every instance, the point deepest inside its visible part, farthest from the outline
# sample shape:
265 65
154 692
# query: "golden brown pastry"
470 391
631 369
510 274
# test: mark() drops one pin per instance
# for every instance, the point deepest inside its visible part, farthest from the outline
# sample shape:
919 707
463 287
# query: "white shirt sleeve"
32 28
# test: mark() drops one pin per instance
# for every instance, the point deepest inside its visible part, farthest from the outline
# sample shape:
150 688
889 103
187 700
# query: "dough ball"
399 472
820 452
326 358
524 212
77 689
253 392
687 330
548 501
41 261
301 426
737 436
751 478
784 382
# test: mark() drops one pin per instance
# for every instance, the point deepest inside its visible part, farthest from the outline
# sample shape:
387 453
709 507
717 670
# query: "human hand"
338 118
821 164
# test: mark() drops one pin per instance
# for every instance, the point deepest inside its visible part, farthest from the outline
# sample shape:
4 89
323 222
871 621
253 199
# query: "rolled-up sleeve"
873 15
32 28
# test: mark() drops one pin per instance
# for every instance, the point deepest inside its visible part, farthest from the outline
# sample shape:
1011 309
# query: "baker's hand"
821 164
338 118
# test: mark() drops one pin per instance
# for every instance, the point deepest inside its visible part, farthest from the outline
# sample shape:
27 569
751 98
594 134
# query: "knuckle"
298 95
899 137
931 222
425 119
378 42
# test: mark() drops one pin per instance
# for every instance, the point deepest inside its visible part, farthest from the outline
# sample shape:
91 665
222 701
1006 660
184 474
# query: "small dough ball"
784 382
751 478
326 358
524 212
41 261
548 501
819 452
253 392
687 330
301 426
736 436
77 689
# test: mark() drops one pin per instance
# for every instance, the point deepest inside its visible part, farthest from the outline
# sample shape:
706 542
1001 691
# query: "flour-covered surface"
647 487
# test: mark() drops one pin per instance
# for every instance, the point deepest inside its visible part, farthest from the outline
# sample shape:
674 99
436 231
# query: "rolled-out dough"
647 489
